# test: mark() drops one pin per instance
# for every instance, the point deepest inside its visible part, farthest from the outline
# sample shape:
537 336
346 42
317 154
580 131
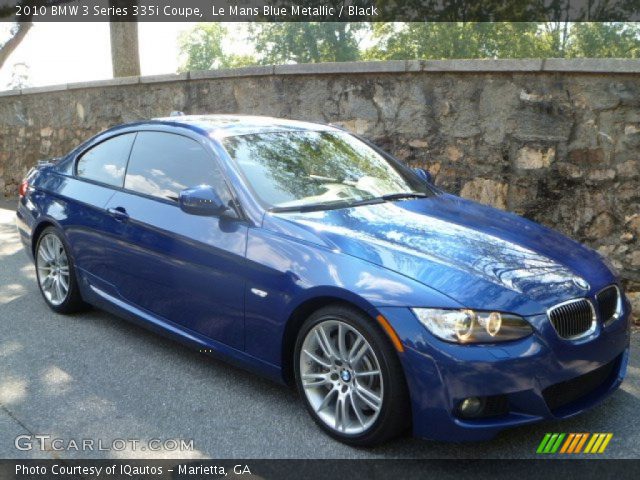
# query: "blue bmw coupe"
308 255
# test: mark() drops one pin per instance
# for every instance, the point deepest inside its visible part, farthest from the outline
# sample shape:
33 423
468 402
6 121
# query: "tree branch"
7 49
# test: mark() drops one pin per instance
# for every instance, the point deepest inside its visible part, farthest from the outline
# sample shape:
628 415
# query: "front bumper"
440 375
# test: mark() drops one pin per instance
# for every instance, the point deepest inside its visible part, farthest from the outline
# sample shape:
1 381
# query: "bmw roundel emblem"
581 283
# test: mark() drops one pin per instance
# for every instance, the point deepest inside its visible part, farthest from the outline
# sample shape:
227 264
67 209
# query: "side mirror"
423 174
201 200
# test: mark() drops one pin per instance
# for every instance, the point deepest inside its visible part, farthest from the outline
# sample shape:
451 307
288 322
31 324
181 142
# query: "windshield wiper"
399 196
315 207
311 207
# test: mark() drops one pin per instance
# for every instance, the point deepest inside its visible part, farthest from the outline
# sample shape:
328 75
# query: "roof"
230 125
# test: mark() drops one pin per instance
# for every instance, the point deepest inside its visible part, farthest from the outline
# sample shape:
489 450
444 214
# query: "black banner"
319 10
493 469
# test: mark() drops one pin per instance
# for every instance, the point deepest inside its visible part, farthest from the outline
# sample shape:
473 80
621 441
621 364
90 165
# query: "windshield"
293 169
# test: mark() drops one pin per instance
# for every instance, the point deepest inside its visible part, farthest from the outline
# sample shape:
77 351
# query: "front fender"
287 272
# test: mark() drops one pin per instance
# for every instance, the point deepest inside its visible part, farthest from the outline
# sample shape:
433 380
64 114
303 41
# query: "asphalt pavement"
95 377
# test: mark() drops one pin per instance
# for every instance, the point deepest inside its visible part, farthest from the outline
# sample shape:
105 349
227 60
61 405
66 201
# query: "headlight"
469 326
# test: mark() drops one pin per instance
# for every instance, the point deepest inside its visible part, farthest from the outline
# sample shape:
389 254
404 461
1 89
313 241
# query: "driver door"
185 269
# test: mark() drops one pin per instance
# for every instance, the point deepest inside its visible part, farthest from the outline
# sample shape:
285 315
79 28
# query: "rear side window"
164 164
107 161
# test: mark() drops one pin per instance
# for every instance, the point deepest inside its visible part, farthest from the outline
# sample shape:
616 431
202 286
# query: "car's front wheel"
350 377
56 273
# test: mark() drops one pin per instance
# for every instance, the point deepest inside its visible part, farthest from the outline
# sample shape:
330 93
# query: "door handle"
119 213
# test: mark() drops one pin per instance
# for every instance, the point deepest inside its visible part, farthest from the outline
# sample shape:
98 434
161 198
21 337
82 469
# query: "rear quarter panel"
74 206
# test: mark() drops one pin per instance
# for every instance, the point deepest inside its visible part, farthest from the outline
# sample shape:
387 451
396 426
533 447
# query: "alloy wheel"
53 269
341 377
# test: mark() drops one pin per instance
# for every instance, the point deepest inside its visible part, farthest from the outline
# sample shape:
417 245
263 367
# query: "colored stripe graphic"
567 443
596 446
592 441
556 446
576 443
573 443
599 443
550 443
543 443
583 439
603 447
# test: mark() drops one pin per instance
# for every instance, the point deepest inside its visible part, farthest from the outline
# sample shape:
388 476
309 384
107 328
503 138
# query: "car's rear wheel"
56 273
350 377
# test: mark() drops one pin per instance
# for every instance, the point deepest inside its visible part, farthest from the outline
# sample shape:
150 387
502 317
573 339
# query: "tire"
54 269
341 403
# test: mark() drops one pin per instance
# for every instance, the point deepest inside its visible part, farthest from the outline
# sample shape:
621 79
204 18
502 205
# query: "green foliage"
455 40
237 61
274 43
305 42
312 42
201 48
619 40
503 40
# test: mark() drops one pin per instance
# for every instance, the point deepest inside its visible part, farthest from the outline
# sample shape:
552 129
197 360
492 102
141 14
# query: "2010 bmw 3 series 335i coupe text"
308 255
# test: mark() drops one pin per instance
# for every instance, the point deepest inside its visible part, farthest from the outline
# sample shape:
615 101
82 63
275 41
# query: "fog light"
471 407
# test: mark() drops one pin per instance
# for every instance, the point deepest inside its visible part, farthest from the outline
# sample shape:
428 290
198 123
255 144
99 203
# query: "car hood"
479 256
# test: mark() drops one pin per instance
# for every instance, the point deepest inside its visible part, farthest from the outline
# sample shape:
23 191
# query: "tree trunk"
7 49
124 49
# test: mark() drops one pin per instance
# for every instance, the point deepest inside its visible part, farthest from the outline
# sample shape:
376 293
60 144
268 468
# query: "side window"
107 161
164 164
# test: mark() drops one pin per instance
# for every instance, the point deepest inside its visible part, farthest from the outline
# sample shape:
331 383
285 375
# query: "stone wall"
554 140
